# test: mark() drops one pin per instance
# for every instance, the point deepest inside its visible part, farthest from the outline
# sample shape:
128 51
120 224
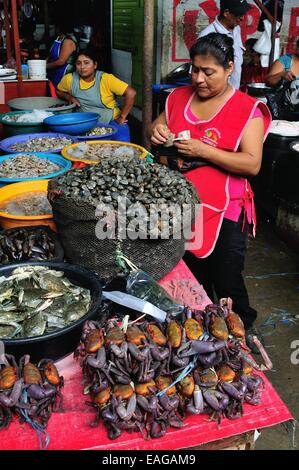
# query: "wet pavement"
272 279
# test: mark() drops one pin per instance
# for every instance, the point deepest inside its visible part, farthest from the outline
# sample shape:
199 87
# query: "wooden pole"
273 34
148 54
15 29
7 30
46 19
264 9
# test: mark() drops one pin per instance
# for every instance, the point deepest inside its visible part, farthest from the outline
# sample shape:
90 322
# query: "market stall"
70 428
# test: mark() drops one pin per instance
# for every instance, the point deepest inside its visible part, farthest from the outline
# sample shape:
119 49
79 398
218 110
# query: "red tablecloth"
70 429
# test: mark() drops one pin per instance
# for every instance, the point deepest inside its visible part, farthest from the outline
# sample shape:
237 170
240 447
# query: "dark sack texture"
76 225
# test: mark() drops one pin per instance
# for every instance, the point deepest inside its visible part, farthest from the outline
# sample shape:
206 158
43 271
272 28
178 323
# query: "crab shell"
102 397
174 334
187 386
115 336
226 374
218 328
143 388
193 328
164 382
235 325
51 373
94 341
8 376
157 335
135 335
31 374
123 391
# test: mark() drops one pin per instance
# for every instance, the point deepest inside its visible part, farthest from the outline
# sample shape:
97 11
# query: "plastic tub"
40 102
37 69
16 128
100 137
8 221
65 153
72 123
61 342
5 144
65 166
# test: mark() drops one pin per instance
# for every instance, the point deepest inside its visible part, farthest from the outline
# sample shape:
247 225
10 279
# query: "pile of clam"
147 376
131 185
41 144
25 165
100 131
96 152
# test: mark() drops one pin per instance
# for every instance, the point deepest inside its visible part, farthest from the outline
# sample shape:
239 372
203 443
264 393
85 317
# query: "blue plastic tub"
99 137
65 164
5 144
72 123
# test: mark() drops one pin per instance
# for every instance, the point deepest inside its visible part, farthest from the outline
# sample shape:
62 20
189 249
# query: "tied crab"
10 389
41 390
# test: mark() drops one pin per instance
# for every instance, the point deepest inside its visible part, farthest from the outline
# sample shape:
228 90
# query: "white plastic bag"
263 44
136 304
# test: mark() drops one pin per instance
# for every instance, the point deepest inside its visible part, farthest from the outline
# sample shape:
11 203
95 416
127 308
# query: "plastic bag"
143 286
263 44
135 303
284 101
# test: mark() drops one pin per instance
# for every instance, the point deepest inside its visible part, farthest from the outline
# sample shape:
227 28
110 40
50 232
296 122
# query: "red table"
70 429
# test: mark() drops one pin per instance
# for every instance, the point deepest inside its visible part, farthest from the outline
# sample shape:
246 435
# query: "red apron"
224 131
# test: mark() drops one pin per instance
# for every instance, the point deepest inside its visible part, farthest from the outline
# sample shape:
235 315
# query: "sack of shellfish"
146 210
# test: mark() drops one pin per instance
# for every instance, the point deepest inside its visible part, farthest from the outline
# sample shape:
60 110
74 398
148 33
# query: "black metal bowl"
258 89
62 342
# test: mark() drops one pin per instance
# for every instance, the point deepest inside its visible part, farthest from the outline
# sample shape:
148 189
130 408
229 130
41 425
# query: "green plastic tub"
16 128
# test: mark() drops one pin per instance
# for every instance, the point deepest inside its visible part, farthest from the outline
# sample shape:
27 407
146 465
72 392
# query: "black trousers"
221 272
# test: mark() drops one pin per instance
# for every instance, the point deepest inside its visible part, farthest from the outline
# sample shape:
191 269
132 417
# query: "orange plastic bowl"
8 221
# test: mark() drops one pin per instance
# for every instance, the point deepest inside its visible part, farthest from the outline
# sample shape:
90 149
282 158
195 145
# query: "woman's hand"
190 147
289 76
74 100
121 120
160 134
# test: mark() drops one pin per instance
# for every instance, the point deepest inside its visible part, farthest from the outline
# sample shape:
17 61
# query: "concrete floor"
266 255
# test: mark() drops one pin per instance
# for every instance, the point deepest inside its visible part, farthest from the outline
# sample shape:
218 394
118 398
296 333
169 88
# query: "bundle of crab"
31 392
148 376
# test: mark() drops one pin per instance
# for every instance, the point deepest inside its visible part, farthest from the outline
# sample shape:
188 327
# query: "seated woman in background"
284 68
96 91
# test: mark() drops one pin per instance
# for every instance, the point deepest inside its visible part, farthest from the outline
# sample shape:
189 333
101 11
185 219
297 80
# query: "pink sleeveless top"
236 186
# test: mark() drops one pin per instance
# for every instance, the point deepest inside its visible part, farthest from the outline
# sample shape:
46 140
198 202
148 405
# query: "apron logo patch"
211 136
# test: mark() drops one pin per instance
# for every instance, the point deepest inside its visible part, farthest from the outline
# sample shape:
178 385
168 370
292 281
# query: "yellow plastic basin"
66 155
8 221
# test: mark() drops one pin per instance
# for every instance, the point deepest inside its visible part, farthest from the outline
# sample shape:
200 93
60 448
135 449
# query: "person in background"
232 13
252 71
227 130
62 55
284 68
96 91
99 48
29 48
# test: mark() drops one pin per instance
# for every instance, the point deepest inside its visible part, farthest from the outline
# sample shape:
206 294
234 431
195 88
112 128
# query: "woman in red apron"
227 129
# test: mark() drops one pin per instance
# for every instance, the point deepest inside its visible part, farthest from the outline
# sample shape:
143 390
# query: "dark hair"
88 53
217 45
297 43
